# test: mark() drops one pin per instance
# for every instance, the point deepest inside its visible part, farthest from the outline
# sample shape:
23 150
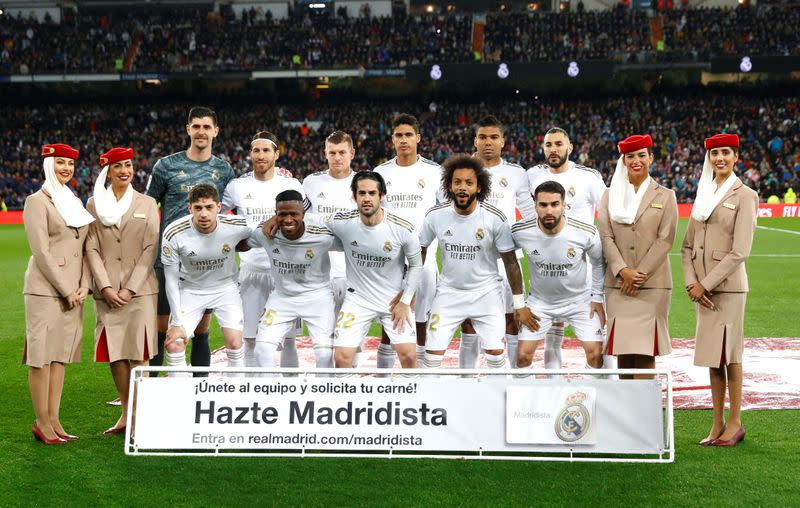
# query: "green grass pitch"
94 471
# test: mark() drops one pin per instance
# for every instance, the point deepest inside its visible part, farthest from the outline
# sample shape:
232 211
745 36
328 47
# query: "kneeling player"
472 234
301 269
559 250
199 257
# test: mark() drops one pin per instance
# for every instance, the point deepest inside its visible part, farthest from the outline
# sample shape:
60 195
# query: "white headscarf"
67 204
109 210
623 200
707 196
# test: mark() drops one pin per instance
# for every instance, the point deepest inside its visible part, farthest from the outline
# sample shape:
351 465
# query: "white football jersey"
557 264
375 255
328 195
584 188
207 261
470 245
299 266
255 200
510 191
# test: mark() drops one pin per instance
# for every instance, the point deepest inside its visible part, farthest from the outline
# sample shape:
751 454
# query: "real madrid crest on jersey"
215 175
479 234
571 252
309 254
387 246
574 421
226 248
571 191
421 183
504 182
167 251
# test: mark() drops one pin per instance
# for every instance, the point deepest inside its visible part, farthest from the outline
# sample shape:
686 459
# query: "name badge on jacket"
140 216
729 205
657 205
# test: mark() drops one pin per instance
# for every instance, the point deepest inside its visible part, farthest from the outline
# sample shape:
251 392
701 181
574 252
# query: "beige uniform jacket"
57 266
645 244
713 252
123 257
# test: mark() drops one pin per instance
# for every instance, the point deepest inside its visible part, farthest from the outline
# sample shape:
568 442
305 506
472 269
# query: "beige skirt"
128 333
52 331
720 333
638 325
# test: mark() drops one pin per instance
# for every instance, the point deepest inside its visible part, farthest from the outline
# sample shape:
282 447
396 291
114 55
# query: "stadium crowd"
769 128
191 39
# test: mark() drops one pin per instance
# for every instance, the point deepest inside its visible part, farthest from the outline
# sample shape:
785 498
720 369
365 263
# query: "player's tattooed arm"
521 311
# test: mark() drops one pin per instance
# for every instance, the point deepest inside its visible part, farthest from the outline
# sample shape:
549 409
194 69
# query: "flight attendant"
717 242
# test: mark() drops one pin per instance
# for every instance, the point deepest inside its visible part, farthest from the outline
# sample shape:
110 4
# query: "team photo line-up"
343 249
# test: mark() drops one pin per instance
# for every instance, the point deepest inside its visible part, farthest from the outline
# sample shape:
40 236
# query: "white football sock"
552 346
420 356
386 356
235 359
496 361
432 361
468 351
289 353
511 348
177 360
249 352
323 356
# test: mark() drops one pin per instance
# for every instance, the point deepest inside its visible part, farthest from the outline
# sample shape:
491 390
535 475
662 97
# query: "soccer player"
509 192
329 192
584 189
472 235
301 270
560 251
169 184
199 257
412 186
252 195
376 244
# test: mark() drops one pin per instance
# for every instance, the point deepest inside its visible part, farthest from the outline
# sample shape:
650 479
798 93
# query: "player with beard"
412 186
584 188
172 179
472 234
252 195
509 192
560 251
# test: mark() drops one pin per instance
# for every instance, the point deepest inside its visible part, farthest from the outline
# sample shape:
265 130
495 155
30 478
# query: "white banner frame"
665 455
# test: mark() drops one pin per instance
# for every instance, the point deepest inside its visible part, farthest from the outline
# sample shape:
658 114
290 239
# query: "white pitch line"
756 255
779 230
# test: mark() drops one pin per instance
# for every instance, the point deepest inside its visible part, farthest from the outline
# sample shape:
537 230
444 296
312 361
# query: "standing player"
412 185
376 245
509 192
329 192
472 235
172 179
252 195
301 270
199 257
584 189
560 250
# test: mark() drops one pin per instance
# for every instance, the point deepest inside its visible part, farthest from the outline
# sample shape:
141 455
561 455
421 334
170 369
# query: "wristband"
519 302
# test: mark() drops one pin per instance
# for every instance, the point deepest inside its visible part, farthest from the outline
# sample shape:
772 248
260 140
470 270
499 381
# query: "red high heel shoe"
67 437
739 436
709 441
39 435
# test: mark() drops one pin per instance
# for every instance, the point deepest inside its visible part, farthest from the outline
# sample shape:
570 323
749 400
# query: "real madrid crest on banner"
387 246
571 252
479 234
574 420
226 248
571 191
421 183
309 254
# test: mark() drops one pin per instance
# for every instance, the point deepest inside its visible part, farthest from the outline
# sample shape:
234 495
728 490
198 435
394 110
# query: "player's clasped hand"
632 280
174 333
527 318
